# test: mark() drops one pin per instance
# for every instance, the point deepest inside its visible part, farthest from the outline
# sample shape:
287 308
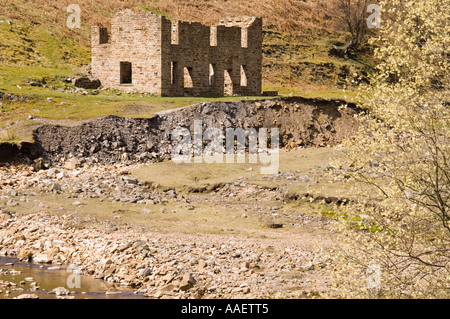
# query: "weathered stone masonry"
148 53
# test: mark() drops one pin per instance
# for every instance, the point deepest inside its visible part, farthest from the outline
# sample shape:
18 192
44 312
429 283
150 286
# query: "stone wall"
172 58
136 39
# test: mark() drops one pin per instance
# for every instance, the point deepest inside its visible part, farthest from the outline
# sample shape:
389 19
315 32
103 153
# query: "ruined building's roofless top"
145 52
229 21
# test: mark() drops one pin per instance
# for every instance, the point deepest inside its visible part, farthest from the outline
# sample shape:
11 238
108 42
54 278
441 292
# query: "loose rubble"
110 140
158 264
162 265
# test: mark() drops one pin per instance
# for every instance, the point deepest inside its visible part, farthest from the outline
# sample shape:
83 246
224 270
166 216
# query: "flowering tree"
401 159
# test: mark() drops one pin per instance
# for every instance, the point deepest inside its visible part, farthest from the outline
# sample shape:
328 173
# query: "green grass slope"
37 46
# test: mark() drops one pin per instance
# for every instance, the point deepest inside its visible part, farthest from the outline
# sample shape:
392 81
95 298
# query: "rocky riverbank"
75 202
166 265
166 261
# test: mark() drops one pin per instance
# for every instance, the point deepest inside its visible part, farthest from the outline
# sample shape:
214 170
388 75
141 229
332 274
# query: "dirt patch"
302 122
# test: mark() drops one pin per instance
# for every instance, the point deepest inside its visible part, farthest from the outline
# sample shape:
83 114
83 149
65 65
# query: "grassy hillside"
37 47
298 33
306 17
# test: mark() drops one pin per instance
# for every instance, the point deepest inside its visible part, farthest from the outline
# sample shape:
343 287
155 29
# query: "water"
50 278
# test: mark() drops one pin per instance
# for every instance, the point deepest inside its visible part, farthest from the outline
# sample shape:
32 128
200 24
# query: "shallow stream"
49 277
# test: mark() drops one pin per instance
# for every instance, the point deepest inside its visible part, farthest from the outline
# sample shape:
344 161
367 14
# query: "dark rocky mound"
302 122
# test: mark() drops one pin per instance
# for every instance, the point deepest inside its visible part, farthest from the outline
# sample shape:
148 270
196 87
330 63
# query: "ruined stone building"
148 53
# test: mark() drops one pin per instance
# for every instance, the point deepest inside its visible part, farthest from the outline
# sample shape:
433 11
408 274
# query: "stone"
60 291
245 265
110 271
130 180
56 187
94 149
187 282
52 172
34 285
145 272
140 244
166 290
11 192
308 267
86 83
38 245
113 291
54 268
168 278
27 296
304 178
42 259
65 297
12 203
72 164
25 253
104 263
